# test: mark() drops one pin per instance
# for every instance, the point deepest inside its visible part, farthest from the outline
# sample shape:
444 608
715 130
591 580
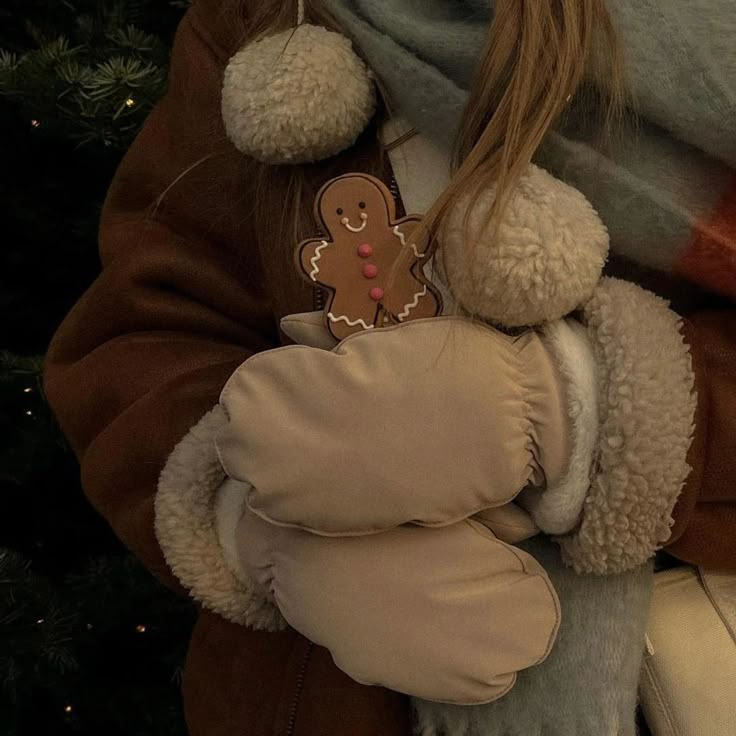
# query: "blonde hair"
537 57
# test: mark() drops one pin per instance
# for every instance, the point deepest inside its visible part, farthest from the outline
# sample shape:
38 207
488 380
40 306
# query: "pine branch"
133 39
8 62
96 81
36 629
119 74
12 365
108 642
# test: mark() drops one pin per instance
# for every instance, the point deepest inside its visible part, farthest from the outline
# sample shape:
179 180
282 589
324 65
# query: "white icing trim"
343 318
399 235
313 260
413 246
411 305
363 216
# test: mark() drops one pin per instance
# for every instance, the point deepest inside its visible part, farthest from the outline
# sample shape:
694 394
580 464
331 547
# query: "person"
196 250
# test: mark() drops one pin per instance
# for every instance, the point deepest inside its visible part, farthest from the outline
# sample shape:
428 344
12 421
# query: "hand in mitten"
434 420
448 614
509 523
426 422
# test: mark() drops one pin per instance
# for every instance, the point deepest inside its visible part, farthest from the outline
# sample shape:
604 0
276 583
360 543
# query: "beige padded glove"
510 523
448 614
388 429
426 422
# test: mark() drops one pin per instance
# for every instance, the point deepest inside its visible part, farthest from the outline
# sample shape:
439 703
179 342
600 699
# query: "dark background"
89 642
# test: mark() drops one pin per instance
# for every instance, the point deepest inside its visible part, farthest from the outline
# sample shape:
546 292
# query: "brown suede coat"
189 289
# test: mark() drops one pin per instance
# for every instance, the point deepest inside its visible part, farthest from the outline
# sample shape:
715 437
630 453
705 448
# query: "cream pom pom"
547 257
298 96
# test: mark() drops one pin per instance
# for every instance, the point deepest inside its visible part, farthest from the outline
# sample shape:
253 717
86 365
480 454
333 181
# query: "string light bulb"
68 709
141 629
130 102
35 123
30 413
40 621
27 390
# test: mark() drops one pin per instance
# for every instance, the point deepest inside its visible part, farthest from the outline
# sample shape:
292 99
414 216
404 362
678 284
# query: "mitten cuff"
557 508
647 407
187 530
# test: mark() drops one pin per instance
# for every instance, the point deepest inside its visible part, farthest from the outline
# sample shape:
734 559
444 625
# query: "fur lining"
557 509
647 408
186 529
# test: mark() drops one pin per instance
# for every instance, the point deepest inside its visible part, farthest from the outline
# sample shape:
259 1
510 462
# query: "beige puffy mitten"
449 614
335 534
427 422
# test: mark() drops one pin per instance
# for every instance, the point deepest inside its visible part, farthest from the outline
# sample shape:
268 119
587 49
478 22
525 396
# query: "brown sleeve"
178 305
705 515
252 683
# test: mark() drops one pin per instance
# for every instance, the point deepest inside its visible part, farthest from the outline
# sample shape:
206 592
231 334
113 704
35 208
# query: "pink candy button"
370 271
376 293
365 250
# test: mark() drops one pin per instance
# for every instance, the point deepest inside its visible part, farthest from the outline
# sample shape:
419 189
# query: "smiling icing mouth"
346 221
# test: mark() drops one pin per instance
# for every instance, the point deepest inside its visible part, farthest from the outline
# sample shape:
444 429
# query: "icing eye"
361 205
339 210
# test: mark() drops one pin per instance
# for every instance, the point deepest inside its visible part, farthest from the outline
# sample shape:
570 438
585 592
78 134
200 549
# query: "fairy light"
29 413
141 629
68 709
27 390
40 621
130 102
35 123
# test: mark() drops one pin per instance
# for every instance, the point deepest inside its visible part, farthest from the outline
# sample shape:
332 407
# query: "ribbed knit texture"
680 60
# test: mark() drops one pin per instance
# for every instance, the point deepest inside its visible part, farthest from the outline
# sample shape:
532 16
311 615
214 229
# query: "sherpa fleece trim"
187 532
647 409
557 509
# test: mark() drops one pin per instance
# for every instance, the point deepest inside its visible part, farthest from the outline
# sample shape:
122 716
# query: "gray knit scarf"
424 53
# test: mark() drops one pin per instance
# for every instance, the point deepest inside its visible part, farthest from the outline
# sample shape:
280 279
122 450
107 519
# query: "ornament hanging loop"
300 12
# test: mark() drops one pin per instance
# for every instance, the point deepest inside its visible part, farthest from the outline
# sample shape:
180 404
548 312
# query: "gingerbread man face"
371 263
349 209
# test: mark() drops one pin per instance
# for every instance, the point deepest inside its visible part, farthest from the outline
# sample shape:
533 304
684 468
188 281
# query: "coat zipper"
300 678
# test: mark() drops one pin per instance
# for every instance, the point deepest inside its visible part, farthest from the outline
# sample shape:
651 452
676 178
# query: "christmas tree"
90 643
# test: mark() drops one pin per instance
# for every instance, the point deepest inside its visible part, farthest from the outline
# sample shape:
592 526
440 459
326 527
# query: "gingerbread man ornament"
371 263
